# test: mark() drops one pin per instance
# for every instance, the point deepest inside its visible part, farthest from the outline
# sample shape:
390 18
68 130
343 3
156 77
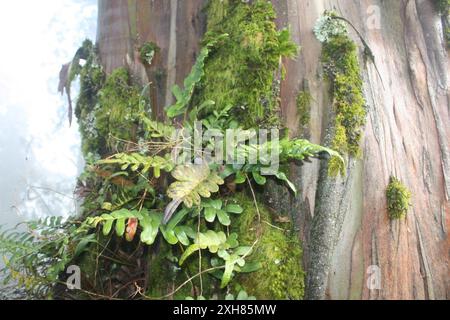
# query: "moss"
92 79
118 112
108 107
304 107
281 275
242 69
161 271
147 52
447 36
342 70
398 199
443 6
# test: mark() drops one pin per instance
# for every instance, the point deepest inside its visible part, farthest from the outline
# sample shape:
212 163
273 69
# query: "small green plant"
398 199
327 28
304 107
147 52
138 162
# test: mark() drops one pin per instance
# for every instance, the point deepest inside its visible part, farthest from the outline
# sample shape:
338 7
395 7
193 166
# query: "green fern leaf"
214 241
183 96
194 182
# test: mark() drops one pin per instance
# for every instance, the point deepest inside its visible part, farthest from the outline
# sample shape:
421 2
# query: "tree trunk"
343 223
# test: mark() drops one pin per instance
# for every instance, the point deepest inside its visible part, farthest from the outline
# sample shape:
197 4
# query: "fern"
148 221
35 258
157 129
184 96
194 182
122 198
288 150
226 248
233 262
301 150
214 209
136 161
242 295
211 240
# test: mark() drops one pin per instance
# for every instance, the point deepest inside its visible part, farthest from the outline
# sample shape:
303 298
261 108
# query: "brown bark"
407 135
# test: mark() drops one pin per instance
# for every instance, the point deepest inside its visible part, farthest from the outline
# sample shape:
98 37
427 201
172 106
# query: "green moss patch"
398 199
92 79
342 70
241 72
279 253
118 112
147 52
304 107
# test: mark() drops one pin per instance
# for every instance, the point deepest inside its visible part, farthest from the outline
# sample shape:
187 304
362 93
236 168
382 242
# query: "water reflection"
39 152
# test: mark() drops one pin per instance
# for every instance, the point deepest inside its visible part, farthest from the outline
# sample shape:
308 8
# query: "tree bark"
343 223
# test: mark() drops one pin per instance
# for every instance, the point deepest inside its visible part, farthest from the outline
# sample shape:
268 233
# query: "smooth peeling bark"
406 135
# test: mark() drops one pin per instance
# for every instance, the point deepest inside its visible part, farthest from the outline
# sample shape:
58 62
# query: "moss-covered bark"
412 67
241 71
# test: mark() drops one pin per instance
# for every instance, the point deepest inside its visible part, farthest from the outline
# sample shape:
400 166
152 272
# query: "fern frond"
184 96
136 161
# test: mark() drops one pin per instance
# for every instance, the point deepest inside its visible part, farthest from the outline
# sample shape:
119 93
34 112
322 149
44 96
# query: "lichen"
342 70
241 71
279 252
327 28
398 199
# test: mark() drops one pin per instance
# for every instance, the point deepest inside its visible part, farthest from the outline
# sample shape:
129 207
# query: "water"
39 153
